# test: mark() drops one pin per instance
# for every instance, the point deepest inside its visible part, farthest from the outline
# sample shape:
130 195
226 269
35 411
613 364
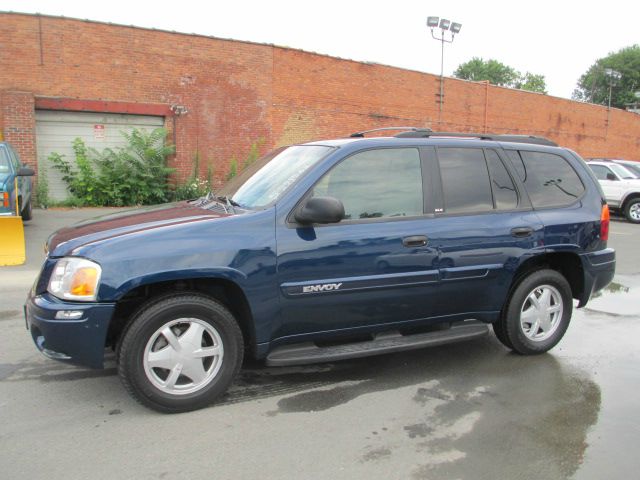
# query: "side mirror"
25 172
320 210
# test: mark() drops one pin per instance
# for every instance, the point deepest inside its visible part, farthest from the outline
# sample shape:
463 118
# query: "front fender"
221 273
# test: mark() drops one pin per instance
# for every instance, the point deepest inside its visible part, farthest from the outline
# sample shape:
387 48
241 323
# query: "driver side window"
601 171
376 183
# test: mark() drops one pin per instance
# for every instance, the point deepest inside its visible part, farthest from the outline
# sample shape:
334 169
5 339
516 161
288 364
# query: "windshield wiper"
228 200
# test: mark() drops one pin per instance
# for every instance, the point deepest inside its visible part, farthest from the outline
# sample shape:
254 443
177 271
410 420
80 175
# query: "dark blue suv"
330 250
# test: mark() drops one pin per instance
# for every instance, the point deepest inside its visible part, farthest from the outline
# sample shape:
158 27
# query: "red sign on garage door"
98 132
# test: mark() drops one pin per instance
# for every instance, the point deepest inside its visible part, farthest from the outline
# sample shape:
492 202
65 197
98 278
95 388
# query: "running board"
388 342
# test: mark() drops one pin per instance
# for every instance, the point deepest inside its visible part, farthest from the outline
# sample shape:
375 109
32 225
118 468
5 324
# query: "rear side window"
465 180
377 183
548 178
475 180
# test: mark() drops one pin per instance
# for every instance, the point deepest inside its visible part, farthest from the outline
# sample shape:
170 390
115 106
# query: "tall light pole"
453 28
614 76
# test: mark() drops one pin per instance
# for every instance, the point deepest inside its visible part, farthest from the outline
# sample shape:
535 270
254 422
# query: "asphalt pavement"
464 411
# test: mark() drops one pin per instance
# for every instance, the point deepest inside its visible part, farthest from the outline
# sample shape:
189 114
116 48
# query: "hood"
126 222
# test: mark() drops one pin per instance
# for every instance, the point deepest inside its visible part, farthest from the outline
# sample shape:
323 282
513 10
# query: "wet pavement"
469 410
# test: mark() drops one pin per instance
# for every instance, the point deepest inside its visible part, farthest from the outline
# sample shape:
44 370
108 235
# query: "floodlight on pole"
453 28
614 76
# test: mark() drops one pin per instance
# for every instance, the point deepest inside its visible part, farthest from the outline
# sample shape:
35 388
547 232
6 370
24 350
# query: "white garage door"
56 131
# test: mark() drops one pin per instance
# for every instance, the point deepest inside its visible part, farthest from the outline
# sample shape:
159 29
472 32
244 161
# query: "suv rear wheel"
180 353
537 313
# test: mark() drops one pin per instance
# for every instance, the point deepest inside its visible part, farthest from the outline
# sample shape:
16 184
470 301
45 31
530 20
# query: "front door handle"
415 241
521 232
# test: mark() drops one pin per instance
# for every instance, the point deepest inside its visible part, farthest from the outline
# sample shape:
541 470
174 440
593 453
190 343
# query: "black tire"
501 334
514 333
27 212
632 210
145 336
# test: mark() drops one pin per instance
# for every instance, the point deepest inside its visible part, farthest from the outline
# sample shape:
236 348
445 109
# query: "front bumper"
599 268
80 340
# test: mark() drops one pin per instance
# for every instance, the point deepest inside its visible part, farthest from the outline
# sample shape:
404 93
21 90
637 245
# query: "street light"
453 28
614 76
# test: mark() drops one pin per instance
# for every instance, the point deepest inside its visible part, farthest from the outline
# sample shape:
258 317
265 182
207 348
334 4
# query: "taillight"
604 223
5 199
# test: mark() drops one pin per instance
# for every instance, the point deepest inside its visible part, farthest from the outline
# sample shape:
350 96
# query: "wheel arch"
568 264
224 290
628 198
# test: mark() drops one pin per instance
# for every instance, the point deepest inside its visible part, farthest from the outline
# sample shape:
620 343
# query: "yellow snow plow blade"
12 249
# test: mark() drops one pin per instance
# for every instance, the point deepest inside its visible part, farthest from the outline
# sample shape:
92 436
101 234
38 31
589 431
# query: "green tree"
531 82
593 85
479 70
497 73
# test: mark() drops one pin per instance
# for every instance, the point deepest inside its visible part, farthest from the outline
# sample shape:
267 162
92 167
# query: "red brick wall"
18 119
237 93
226 86
317 96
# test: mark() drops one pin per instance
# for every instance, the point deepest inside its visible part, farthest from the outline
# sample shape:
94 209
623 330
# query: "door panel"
478 255
358 275
376 266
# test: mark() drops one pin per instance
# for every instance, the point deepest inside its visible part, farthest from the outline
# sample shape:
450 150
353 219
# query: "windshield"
5 168
623 172
267 179
632 168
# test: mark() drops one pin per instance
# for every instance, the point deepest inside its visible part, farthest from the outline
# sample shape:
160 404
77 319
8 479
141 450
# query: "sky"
559 39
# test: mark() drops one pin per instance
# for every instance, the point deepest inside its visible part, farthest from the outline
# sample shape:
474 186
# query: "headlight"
75 279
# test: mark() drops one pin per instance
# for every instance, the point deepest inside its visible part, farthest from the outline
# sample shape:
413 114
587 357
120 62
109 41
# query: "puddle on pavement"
483 410
525 422
620 297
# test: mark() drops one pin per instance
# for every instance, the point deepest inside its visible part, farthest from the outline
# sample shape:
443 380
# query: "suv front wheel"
537 313
632 210
180 353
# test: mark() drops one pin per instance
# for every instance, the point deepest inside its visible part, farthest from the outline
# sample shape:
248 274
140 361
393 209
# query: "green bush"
252 156
42 190
136 174
233 169
132 175
195 186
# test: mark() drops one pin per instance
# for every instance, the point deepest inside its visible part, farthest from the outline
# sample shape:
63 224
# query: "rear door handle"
520 232
415 241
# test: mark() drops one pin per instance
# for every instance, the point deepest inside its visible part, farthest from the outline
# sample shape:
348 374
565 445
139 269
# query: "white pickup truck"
621 188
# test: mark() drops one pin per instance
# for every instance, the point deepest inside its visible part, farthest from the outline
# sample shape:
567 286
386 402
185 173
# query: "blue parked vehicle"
330 250
11 169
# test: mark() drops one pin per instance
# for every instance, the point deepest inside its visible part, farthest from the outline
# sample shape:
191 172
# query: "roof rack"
481 136
410 129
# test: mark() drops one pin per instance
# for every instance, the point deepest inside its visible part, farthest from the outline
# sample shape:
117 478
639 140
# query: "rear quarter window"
549 179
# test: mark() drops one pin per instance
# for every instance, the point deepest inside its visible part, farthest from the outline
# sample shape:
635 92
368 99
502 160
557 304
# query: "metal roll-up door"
56 131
